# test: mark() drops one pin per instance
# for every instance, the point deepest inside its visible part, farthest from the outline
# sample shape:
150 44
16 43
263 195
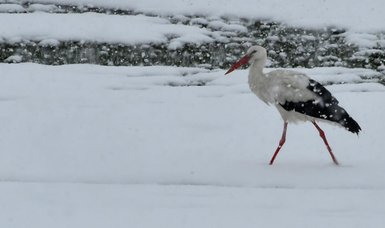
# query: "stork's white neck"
256 71
258 80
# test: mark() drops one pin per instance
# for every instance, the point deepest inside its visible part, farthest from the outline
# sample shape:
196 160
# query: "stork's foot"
335 160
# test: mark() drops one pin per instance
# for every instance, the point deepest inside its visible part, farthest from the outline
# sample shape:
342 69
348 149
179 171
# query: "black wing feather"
327 109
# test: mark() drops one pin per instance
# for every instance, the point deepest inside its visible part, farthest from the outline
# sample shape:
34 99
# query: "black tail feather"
350 124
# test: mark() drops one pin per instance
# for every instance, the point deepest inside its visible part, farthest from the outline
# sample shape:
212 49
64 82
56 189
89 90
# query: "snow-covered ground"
94 146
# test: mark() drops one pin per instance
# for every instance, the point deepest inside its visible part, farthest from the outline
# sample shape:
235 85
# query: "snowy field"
94 146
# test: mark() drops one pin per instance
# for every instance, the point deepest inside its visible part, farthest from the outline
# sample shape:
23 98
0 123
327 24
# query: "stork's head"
254 54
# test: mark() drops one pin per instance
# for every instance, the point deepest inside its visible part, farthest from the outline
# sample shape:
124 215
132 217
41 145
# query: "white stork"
296 96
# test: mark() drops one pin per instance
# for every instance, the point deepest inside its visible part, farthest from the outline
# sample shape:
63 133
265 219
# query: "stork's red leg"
322 134
281 142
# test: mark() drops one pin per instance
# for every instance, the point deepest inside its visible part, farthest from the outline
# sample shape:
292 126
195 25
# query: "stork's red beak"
244 60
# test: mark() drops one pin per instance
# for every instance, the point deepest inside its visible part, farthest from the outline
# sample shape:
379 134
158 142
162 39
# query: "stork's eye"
253 52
